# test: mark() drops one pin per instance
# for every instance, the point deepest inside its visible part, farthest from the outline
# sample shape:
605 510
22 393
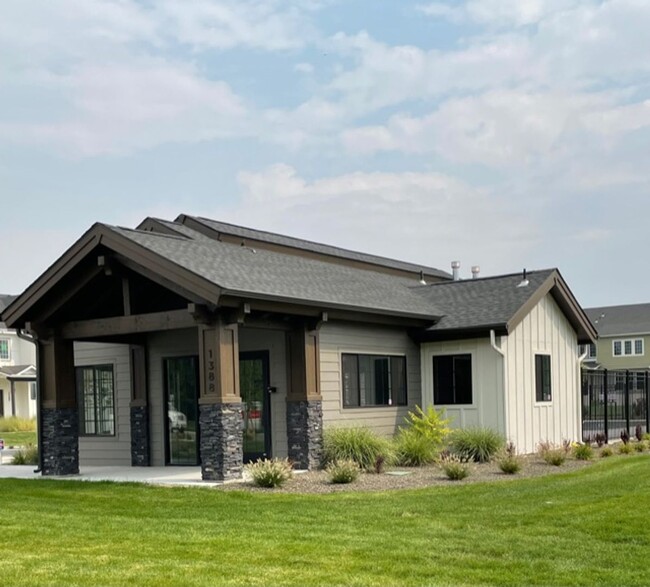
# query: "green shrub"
26 456
640 446
343 471
15 424
509 462
625 448
413 449
431 424
583 452
270 473
552 454
646 437
361 445
453 467
606 451
476 444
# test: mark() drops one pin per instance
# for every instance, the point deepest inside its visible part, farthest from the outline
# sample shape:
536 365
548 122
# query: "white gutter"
493 343
498 349
580 359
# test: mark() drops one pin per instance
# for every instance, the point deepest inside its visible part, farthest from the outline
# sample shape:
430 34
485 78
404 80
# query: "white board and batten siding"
487 407
339 338
108 450
544 330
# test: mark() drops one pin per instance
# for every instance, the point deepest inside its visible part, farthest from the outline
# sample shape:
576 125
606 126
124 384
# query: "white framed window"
590 349
5 349
628 347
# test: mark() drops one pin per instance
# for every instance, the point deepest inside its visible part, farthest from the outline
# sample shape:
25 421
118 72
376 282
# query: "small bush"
646 437
639 446
508 461
413 449
606 451
625 448
270 473
453 467
361 445
431 424
26 456
15 424
583 452
552 454
476 444
343 471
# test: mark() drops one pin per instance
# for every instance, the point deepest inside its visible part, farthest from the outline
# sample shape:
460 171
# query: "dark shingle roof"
5 300
16 371
620 320
261 273
483 302
306 245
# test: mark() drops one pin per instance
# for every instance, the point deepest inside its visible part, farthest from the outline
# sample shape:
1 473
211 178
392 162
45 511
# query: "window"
373 380
452 379
629 347
5 352
95 392
32 391
543 378
589 349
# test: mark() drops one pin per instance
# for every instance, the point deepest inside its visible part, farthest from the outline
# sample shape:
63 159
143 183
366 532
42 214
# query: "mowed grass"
18 438
591 527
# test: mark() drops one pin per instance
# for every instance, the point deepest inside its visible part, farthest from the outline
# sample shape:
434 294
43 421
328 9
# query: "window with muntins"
373 380
5 351
452 380
96 396
543 378
629 347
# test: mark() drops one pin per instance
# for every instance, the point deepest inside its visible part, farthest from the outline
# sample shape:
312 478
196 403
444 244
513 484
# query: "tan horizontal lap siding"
108 450
339 338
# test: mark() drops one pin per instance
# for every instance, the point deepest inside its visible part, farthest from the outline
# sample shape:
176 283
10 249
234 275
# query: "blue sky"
503 133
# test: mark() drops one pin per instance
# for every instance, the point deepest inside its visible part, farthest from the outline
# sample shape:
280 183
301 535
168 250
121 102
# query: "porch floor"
179 476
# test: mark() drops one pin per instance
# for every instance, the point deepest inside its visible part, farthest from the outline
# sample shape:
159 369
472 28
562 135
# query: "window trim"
632 342
471 353
82 428
358 353
538 401
9 349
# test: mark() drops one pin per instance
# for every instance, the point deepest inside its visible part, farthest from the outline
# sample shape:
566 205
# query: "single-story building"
200 342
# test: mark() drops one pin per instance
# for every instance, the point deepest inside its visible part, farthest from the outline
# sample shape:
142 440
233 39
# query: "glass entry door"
181 390
254 388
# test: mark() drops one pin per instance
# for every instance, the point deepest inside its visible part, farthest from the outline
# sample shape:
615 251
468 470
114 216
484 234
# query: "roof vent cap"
524 280
455 270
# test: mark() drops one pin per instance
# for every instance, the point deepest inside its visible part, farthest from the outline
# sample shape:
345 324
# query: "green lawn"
591 527
18 438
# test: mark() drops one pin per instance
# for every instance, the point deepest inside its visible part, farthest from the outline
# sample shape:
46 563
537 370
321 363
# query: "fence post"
606 410
646 407
627 401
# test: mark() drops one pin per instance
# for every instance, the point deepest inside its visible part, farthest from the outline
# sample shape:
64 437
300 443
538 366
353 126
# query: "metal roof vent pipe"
455 270
475 271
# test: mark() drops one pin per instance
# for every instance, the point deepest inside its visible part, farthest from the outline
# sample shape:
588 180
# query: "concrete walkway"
169 476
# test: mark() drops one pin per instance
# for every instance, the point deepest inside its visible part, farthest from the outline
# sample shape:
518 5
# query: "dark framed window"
452 379
96 397
543 391
373 380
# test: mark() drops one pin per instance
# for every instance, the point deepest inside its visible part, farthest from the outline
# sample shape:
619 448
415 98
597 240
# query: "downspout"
39 431
498 349
581 358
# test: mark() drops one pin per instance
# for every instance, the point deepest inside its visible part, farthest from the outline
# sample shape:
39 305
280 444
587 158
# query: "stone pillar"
304 402
59 415
140 437
220 406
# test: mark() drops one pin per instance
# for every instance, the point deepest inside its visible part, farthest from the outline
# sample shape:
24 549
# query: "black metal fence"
614 401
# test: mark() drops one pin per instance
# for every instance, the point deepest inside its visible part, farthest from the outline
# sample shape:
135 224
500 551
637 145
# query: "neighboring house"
623 337
199 342
17 371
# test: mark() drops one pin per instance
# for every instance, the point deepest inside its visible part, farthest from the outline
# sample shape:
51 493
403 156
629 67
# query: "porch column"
220 405
304 401
59 415
140 437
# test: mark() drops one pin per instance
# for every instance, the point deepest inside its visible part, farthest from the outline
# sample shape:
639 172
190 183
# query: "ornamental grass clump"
414 450
26 456
15 424
476 444
583 452
361 445
606 451
453 467
345 471
625 448
640 446
509 461
552 454
270 472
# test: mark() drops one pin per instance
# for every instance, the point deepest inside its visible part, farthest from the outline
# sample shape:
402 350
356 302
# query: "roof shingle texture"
620 320
484 302
5 300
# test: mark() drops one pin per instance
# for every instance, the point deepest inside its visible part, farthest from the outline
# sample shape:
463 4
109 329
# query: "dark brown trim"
458 333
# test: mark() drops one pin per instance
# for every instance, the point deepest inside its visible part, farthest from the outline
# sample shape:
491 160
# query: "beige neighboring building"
17 371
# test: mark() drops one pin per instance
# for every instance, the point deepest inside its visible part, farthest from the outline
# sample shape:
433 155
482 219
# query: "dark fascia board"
101 234
460 333
560 291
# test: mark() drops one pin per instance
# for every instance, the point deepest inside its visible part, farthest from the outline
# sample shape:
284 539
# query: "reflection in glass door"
181 386
254 388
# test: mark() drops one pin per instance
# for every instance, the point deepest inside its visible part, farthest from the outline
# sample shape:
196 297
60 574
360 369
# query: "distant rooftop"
5 300
620 320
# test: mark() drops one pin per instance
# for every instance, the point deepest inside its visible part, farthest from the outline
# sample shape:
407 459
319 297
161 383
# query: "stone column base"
60 441
221 441
305 433
140 454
